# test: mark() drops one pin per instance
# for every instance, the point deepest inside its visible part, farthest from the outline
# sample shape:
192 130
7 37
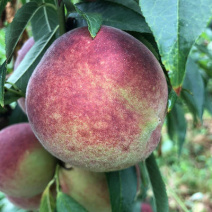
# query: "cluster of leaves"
168 29
196 95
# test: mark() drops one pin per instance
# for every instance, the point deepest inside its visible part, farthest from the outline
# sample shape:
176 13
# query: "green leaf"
48 203
10 97
2 111
69 6
194 83
208 102
45 20
2 5
129 4
17 116
2 46
205 65
144 179
116 15
66 203
158 185
177 125
94 21
204 49
176 25
16 28
3 71
172 99
22 74
122 187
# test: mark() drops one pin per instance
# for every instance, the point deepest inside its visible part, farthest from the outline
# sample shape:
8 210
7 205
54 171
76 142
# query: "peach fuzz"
98 104
25 166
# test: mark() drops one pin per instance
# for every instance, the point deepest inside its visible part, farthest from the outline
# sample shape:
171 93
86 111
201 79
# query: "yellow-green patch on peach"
25 166
90 189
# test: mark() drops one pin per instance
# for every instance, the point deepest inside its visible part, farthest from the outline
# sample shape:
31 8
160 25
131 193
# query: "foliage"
177 32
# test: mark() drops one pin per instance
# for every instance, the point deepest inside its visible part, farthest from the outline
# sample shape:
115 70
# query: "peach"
23 51
98 104
146 207
22 104
31 203
88 188
25 166
21 54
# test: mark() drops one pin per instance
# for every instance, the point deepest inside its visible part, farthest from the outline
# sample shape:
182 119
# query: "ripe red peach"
31 203
98 104
90 189
25 166
21 54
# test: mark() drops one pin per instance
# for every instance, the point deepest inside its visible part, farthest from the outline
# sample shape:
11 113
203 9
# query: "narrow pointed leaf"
144 179
122 188
195 85
158 186
176 25
94 21
171 100
66 203
3 70
116 15
22 74
16 28
69 6
48 203
45 19
177 125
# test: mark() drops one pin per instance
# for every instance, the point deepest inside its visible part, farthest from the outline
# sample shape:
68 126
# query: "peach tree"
99 78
